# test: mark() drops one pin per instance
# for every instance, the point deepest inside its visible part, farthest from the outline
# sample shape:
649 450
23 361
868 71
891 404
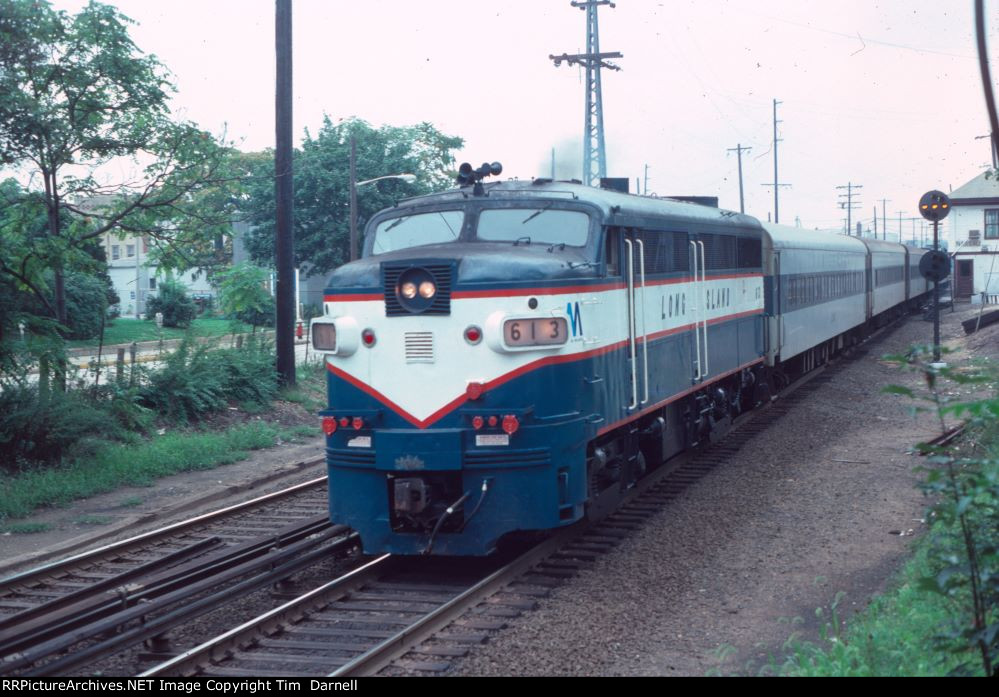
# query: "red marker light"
473 335
329 425
510 424
357 423
474 390
493 421
478 422
368 337
344 422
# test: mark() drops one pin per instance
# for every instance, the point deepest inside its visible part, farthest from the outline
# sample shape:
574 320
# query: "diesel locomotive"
512 356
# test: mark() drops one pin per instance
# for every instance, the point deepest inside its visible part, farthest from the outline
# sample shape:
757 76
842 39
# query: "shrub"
196 381
42 428
86 303
172 300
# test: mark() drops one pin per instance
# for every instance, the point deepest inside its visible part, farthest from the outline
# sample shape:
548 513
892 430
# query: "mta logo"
572 309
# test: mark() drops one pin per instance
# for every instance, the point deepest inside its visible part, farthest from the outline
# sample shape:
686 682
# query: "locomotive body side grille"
419 347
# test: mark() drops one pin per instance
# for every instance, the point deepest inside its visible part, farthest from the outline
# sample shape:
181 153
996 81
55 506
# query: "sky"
882 94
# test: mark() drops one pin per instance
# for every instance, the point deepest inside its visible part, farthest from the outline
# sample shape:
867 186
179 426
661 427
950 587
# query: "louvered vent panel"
419 347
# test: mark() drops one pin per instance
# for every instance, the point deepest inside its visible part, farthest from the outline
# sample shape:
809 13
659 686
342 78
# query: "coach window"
992 224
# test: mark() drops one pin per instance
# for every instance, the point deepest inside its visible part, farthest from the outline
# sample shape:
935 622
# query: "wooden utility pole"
776 182
738 149
284 244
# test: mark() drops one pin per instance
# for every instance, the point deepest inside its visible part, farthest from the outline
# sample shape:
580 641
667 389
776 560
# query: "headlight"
408 290
428 289
324 336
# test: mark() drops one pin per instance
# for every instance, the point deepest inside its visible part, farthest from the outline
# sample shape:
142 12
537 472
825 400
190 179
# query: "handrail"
631 324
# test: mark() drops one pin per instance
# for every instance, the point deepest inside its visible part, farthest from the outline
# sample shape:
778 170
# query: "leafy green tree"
173 301
75 94
243 295
322 185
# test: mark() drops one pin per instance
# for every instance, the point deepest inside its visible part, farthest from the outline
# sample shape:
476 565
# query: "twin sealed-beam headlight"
426 289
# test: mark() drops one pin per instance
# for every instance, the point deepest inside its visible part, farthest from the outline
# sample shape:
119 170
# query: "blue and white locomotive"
512 356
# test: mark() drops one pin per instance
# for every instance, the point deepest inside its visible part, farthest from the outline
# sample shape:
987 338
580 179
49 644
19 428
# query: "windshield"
534 225
417 230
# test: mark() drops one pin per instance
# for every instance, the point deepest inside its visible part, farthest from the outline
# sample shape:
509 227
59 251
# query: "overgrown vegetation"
943 617
114 465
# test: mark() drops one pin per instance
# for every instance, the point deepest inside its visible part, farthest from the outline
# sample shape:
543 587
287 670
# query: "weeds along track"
71 613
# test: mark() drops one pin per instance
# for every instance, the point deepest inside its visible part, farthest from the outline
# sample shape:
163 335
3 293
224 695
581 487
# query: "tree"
322 185
75 94
242 295
172 300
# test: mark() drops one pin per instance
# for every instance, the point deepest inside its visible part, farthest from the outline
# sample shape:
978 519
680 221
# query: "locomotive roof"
617 208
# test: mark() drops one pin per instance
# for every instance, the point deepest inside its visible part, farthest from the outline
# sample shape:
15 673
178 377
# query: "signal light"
477 422
357 423
474 390
473 334
329 425
368 337
510 424
344 422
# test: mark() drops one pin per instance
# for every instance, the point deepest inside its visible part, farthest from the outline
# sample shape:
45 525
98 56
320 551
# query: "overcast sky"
882 94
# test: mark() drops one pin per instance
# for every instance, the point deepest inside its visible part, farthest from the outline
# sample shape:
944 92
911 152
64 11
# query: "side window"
612 251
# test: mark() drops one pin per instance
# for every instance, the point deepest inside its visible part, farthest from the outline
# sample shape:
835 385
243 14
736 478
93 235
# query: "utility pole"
899 227
776 183
645 187
353 198
738 149
284 246
594 152
875 222
848 204
884 220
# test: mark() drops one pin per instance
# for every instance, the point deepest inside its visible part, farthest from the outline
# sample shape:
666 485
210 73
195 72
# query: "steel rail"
52 567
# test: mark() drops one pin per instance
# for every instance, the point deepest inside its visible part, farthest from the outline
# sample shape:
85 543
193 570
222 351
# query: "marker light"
344 422
473 335
493 421
357 423
329 425
478 422
408 290
474 390
510 424
428 289
368 337
324 336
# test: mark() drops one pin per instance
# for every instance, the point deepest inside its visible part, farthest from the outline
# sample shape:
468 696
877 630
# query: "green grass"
131 502
125 330
894 636
115 465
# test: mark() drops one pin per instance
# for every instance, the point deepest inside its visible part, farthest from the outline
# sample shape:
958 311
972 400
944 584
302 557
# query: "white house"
135 280
974 233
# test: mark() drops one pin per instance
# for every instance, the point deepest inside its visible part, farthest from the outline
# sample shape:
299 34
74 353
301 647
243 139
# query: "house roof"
984 186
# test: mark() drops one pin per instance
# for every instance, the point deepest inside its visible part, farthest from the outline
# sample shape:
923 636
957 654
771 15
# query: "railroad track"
68 614
418 615
413 614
